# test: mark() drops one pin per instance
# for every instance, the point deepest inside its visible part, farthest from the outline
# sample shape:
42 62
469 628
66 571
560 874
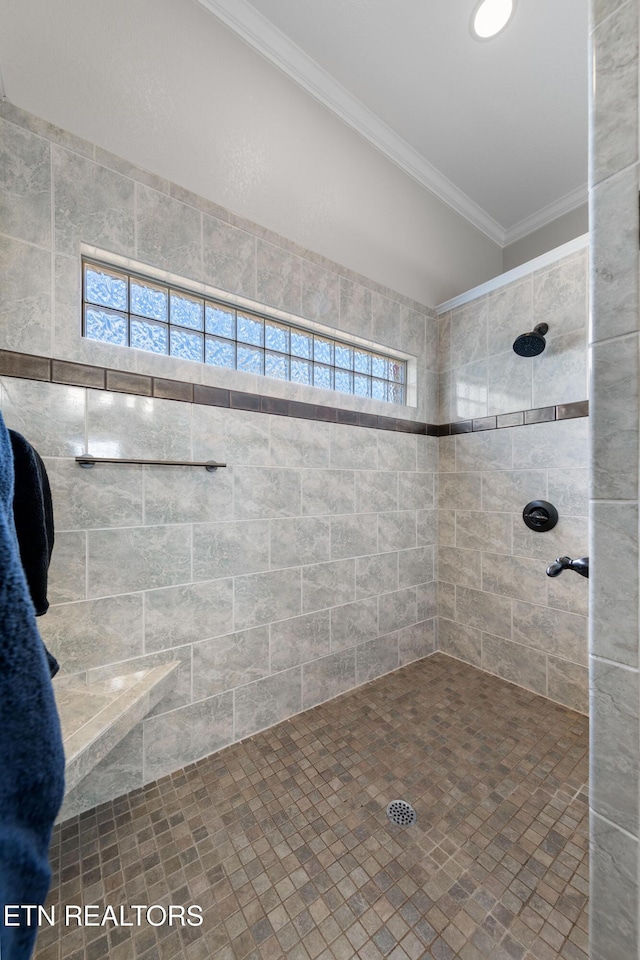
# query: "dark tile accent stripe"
510 419
563 411
31 367
484 423
540 415
121 382
173 390
24 365
77 374
212 396
567 411
463 426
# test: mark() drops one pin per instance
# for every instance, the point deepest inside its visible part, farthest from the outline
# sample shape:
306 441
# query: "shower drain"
401 812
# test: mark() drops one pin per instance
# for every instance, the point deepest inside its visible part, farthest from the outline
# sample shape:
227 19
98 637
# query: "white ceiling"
498 129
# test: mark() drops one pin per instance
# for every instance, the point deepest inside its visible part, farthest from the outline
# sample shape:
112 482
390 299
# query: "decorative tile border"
562 411
30 367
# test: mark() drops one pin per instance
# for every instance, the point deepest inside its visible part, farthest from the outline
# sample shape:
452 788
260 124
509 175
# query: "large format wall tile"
376 657
614 127
222 663
354 449
416 641
25 185
510 385
320 294
477 530
560 373
511 490
50 416
460 641
327 584
279 277
398 609
186 495
328 491
614 253
92 205
265 702
68 569
266 492
230 548
231 436
137 558
229 257
91 633
614 874
108 495
511 661
300 639
490 450
354 623
146 428
396 531
173 740
614 587
517 577
168 233
299 540
354 535
509 313
461 567
376 574
25 297
614 419
484 611
265 597
562 443
177 615
328 677
568 683
554 632
376 490
615 749
560 296
299 443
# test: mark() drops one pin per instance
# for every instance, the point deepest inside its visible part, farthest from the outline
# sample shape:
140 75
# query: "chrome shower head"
531 344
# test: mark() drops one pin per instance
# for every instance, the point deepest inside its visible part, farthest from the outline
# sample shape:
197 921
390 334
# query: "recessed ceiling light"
490 17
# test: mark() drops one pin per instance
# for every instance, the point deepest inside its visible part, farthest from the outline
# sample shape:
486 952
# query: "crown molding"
547 214
249 24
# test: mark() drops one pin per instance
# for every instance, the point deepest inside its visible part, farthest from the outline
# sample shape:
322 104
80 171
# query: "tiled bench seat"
97 716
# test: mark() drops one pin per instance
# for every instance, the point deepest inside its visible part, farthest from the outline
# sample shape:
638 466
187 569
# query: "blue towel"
31 754
33 520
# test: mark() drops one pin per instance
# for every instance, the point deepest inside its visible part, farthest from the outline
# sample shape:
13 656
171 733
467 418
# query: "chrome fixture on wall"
531 344
580 566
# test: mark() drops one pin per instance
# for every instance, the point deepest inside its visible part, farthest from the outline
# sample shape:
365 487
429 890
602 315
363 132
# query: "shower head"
531 344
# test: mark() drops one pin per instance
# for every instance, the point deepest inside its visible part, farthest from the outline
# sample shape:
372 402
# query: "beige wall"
552 235
197 106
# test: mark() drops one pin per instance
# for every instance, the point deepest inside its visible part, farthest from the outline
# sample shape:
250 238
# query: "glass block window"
129 310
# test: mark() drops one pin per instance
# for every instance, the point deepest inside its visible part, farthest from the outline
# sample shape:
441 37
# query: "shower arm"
580 565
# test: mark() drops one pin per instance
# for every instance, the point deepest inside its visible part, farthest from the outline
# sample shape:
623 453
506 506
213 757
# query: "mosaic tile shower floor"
284 841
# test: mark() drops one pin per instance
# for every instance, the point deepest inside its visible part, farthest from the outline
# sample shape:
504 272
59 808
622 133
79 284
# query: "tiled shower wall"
615 426
302 569
498 609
